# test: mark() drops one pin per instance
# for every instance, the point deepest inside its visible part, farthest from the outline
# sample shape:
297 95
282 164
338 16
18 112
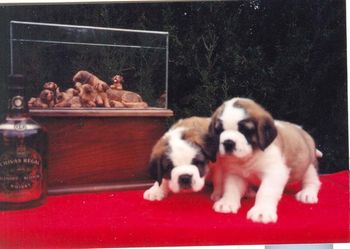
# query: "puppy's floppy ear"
156 169
266 131
211 146
211 129
215 126
211 140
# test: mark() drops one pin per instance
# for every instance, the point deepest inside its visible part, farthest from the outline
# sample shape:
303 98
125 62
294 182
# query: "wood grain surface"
97 151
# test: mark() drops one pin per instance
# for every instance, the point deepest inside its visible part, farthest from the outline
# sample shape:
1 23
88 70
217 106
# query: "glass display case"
93 144
46 52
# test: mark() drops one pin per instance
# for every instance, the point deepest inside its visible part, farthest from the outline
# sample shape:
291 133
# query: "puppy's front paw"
307 196
264 214
154 193
226 205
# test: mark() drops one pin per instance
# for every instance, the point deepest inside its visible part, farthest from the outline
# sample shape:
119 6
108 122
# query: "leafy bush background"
290 56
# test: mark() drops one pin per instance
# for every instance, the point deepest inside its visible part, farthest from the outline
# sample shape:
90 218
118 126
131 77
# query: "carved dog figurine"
102 98
52 86
100 87
69 98
85 77
87 95
118 81
122 98
45 100
126 98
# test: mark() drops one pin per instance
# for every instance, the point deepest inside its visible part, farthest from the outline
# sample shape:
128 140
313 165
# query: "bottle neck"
17 103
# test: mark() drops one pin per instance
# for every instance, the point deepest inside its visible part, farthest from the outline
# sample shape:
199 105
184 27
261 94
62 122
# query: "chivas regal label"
20 175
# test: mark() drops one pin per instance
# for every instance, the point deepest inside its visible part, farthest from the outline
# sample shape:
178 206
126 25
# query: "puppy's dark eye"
198 163
246 126
248 129
199 160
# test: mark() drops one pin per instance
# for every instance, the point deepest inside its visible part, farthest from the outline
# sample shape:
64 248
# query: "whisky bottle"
23 153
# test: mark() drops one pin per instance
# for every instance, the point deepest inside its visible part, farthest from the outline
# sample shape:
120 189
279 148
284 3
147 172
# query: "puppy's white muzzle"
186 177
234 143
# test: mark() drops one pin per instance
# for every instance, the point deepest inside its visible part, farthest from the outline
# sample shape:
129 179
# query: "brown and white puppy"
179 160
255 150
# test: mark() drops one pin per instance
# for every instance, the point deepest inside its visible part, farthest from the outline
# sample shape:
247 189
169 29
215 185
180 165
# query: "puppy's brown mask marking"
248 128
259 121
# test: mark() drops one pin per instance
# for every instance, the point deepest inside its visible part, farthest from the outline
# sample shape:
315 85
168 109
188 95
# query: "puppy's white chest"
232 165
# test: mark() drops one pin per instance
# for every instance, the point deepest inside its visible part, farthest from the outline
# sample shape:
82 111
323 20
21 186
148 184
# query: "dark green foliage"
290 56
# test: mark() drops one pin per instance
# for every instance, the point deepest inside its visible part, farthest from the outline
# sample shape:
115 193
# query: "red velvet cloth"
119 219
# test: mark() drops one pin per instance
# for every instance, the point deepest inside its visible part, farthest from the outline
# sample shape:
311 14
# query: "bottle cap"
17 98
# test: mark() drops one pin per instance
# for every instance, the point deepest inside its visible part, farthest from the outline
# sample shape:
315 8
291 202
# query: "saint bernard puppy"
179 160
255 150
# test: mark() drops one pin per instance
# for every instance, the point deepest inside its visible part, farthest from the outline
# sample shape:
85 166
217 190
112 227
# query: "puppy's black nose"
185 181
229 145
